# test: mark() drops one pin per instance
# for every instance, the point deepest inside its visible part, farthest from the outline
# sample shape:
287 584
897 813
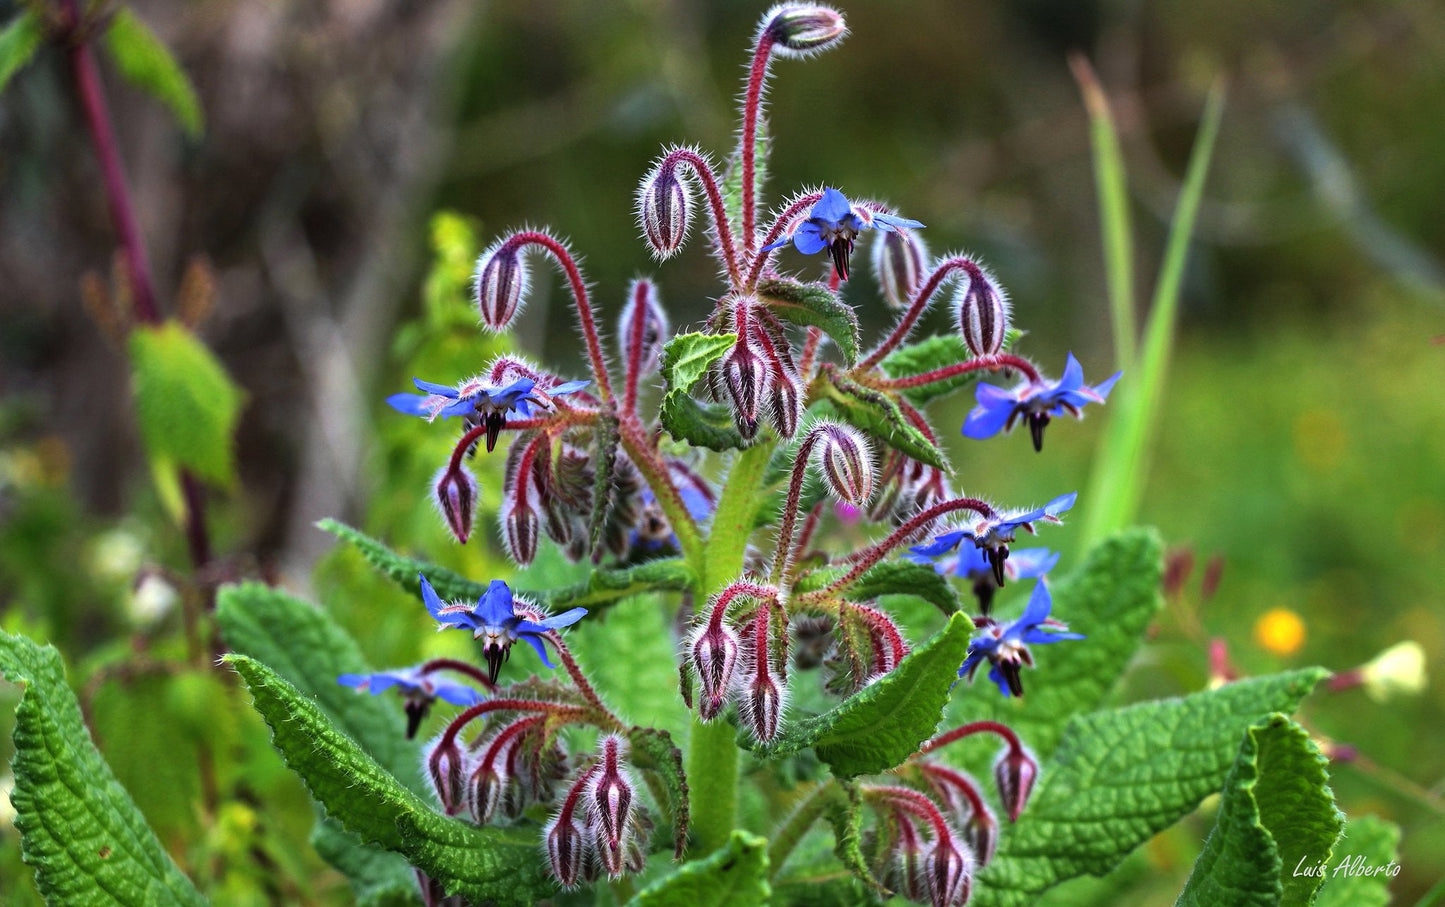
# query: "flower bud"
1015 773
846 462
520 528
785 405
983 313
980 832
642 329
609 804
714 656
664 208
746 381
899 261
484 791
446 768
762 705
949 869
455 494
908 874
500 284
804 29
566 846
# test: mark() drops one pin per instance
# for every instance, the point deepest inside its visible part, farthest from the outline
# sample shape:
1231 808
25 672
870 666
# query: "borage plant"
777 441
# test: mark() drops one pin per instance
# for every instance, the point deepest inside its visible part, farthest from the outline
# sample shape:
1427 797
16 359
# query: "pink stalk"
996 363
723 230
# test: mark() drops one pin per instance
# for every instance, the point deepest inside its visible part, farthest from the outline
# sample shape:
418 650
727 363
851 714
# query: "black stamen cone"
840 249
495 656
996 558
495 421
415 712
1037 422
1010 672
984 590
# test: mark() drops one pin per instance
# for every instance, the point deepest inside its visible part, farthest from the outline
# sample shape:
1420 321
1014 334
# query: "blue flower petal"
1060 504
941 544
1040 636
565 619
997 677
995 407
807 239
429 597
494 608
457 693
778 244
569 387
540 646
889 223
1027 563
411 404
440 390
832 207
1037 611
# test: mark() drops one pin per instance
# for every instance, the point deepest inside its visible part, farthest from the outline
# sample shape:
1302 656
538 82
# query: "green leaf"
1121 776
601 587
78 827
845 814
147 64
882 725
1110 599
919 581
1368 842
734 876
876 413
685 359
934 353
1276 814
1121 465
304 645
187 404
480 864
18 43
813 305
654 752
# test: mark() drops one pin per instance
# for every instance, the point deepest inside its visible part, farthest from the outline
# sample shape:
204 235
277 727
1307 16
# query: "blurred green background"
1303 438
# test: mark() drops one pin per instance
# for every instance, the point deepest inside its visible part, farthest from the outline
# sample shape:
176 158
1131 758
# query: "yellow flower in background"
1280 630
1399 670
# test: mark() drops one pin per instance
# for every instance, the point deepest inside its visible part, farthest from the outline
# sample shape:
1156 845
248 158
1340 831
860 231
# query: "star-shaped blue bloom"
419 690
495 621
992 535
972 564
833 224
1006 648
479 399
1036 401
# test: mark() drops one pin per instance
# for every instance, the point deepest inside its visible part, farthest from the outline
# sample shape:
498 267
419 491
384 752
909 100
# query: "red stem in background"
752 107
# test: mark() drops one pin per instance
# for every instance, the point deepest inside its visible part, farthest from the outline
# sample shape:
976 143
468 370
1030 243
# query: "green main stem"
712 759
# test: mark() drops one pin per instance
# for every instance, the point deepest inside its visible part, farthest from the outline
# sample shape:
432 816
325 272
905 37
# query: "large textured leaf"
601 587
735 876
187 404
685 359
147 64
1276 815
884 724
482 864
813 305
1121 776
707 425
1110 599
876 413
920 581
936 352
19 41
1368 844
78 827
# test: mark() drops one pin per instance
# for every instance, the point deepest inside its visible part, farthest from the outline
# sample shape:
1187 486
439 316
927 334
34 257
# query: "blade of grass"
1121 465
1114 221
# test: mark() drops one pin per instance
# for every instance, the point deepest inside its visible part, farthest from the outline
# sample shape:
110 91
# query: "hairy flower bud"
907 873
566 847
983 313
899 261
446 768
763 690
1015 773
949 869
664 208
799 30
746 381
785 404
609 804
500 284
714 652
455 494
520 528
484 791
846 462
642 329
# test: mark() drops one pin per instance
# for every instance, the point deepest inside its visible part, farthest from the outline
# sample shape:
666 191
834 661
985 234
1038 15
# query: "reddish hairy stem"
995 363
449 736
461 667
873 555
583 685
636 331
783 557
725 597
804 201
968 730
515 729
579 295
726 244
915 309
752 108
911 801
959 780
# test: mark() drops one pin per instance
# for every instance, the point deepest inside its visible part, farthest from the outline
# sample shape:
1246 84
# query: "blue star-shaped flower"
479 399
833 224
419 690
495 621
1006 649
972 564
1036 401
993 535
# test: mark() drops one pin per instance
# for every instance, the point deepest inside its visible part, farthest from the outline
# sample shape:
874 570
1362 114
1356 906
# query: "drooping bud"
804 29
982 309
664 208
764 690
500 284
980 832
785 404
609 804
520 528
484 790
949 869
642 329
909 876
714 651
746 381
566 846
900 260
455 494
846 462
1015 773
974 820
446 768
